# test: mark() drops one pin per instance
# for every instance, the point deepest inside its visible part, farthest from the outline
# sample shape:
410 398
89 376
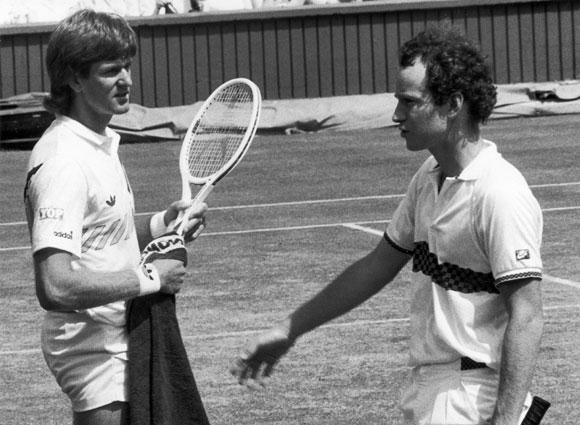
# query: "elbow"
50 298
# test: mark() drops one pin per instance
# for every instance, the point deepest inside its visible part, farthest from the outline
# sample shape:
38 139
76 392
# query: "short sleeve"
401 229
55 198
513 233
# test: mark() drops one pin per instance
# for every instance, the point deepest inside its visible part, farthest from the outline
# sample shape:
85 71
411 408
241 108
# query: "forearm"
77 290
143 230
520 350
352 287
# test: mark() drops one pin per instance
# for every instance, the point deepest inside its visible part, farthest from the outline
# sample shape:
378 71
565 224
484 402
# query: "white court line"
334 200
561 281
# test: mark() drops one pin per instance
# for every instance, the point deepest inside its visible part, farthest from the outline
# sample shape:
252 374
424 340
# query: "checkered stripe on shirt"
450 276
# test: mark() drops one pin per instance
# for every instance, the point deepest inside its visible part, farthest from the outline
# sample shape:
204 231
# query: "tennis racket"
217 139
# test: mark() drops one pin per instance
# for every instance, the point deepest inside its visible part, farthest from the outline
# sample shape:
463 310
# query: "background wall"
314 51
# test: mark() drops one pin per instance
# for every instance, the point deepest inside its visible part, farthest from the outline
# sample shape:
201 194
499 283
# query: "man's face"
107 88
422 123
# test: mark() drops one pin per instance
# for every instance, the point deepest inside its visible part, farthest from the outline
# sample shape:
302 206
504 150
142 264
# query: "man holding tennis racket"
86 239
472 229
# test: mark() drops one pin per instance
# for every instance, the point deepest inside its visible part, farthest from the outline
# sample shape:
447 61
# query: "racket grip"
200 197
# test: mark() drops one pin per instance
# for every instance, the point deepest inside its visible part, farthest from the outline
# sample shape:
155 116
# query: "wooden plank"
188 64
576 36
230 51
176 69
392 47
500 34
513 44
216 57
270 59
526 28
311 58
146 86
22 70
351 37
566 40
243 48
35 63
366 55
283 59
486 38
540 42
338 56
379 53
326 62
161 66
257 56
554 47
202 67
298 62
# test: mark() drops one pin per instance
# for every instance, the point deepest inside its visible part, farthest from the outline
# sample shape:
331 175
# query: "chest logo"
51 213
522 254
111 201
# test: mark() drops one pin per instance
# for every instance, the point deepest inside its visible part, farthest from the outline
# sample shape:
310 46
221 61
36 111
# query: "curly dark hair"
79 41
454 65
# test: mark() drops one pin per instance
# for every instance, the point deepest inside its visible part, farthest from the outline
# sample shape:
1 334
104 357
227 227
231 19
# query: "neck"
96 122
458 151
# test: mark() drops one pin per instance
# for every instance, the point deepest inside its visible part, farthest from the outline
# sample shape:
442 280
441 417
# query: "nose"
125 77
398 115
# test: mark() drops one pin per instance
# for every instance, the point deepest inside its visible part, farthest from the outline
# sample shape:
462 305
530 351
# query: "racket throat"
200 197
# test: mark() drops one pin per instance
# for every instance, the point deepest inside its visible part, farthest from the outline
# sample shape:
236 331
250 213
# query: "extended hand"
257 361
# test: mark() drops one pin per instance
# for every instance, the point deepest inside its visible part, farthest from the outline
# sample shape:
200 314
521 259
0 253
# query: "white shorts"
87 358
446 395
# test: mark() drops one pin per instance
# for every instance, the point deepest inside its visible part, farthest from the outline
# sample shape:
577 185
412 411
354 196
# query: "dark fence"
314 51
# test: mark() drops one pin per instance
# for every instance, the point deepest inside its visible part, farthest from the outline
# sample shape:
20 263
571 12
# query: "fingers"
252 372
171 273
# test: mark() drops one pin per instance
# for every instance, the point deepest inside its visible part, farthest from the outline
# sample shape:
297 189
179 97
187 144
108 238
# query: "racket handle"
200 197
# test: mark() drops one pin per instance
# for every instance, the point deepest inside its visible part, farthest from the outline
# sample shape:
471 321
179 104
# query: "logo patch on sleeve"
51 213
522 254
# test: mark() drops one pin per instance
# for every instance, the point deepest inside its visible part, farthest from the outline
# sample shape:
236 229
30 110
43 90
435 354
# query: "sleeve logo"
51 213
522 254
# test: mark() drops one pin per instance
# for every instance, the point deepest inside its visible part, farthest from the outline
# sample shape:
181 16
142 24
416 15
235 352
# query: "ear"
456 103
75 84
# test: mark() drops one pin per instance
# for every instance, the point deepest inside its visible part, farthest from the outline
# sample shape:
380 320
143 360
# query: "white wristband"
157 225
149 281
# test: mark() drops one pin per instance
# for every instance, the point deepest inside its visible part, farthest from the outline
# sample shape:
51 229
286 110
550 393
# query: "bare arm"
356 284
520 348
61 288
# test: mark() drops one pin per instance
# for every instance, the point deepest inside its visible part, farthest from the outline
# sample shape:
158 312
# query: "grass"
276 236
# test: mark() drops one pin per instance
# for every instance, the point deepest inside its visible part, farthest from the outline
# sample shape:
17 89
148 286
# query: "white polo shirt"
78 200
483 229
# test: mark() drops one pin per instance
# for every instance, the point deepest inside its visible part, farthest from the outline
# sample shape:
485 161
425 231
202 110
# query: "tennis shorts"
88 359
444 394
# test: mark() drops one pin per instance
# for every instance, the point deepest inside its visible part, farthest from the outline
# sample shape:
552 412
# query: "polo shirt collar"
108 143
475 168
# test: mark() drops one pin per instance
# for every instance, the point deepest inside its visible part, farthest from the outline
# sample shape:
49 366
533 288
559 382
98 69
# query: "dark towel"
162 389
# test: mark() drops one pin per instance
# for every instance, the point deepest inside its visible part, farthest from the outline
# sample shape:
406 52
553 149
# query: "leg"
116 413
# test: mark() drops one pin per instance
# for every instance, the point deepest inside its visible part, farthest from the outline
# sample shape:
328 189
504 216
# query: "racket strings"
220 132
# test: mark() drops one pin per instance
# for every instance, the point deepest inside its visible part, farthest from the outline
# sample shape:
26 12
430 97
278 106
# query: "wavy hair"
454 65
79 41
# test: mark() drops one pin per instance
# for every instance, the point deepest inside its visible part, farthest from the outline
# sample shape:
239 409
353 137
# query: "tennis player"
85 237
472 229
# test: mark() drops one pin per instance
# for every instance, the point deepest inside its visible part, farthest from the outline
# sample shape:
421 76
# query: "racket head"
221 132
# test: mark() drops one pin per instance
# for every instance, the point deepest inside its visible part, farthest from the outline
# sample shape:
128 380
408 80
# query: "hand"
257 361
195 220
171 275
